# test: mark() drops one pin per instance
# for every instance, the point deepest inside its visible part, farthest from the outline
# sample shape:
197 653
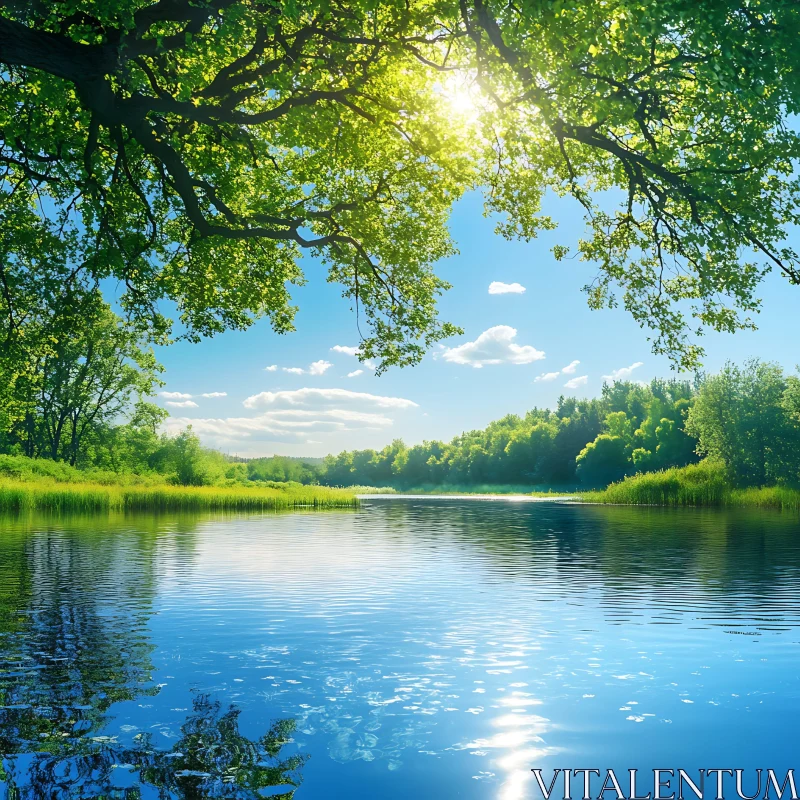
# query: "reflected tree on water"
211 759
74 641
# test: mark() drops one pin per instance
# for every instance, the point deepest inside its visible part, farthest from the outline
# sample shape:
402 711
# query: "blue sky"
264 412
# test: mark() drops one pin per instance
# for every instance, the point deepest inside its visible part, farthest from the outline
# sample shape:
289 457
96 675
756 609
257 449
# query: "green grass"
701 484
50 495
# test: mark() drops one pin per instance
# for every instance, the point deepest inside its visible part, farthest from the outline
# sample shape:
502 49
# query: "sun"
463 97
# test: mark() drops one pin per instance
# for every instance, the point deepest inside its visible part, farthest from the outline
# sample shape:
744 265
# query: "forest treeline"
746 419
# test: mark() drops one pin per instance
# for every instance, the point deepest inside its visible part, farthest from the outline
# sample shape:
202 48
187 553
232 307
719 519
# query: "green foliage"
791 397
193 151
682 109
21 468
703 484
71 367
278 468
24 469
587 441
743 418
605 459
191 463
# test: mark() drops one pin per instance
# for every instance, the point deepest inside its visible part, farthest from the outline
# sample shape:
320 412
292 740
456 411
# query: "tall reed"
703 484
51 496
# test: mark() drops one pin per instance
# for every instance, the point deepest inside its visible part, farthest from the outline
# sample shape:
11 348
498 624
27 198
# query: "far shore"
524 498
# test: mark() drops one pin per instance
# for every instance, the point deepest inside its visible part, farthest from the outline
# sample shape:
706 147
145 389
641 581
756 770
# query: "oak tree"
193 150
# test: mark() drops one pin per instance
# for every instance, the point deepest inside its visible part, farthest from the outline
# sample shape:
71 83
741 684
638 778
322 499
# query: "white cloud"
568 370
319 367
271 368
355 373
574 383
353 351
175 395
623 373
494 346
291 416
215 394
498 287
280 426
315 368
342 348
320 398
181 404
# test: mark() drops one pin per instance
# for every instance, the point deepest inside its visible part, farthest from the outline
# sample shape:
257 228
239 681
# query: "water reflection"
74 641
73 635
212 759
424 648
679 559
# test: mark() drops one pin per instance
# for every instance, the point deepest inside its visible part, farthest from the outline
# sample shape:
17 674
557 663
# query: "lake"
426 648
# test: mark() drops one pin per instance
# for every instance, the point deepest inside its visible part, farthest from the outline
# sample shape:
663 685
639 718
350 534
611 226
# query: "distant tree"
365 463
791 397
740 418
603 461
416 465
580 422
388 463
338 470
190 462
529 450
128 447
608 457
80 372
281 468
236 472
661 440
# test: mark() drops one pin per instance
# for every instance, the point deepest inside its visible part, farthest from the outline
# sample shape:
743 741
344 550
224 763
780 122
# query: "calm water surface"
426 648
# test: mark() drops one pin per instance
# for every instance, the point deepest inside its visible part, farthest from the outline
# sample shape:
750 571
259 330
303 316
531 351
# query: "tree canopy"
70 371
194 150
743 418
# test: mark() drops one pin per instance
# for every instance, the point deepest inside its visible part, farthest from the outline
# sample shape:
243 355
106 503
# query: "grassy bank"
48 495
696 485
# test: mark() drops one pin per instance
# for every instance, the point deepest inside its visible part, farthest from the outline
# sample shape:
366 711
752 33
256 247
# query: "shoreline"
524 498
22 496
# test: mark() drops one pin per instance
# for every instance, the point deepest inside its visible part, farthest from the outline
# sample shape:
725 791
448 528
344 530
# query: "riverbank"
696 485
46 495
